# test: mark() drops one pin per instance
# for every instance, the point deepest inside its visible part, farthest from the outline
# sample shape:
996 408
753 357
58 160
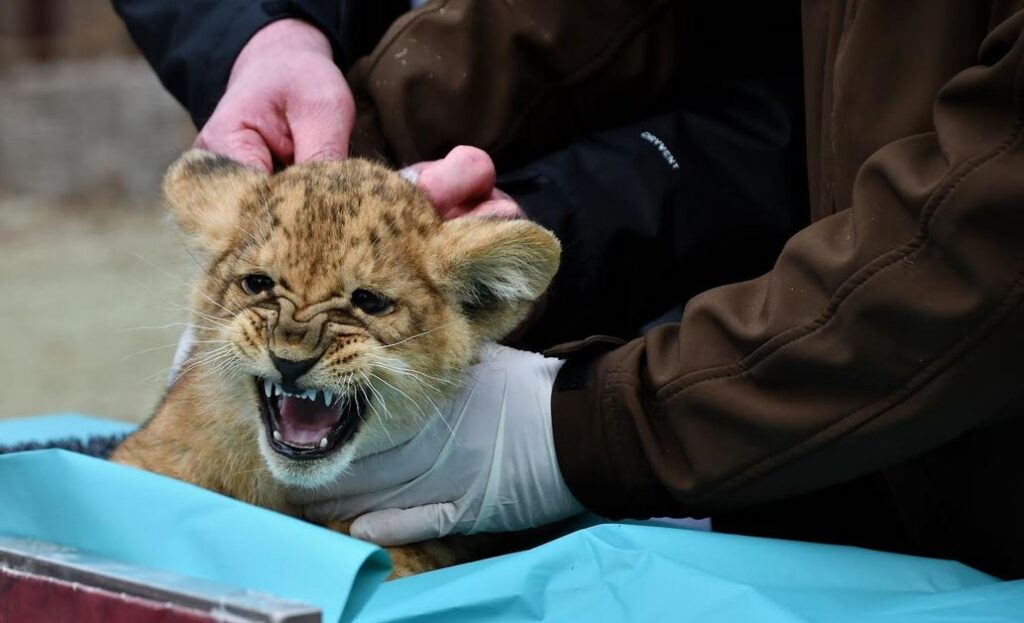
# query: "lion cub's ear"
495 268
203 191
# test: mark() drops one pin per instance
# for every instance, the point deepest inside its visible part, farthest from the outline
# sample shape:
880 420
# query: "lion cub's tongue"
305 422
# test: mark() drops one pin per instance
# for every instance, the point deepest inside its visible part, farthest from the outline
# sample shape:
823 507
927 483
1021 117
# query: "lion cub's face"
337 312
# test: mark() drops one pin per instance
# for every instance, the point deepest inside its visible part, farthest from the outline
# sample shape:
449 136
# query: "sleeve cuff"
326 16
599 451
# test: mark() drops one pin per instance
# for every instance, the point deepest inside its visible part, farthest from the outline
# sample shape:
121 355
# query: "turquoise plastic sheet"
648 573
136 517
611 572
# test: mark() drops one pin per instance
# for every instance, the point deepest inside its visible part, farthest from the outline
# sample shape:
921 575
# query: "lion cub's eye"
370 302
254 284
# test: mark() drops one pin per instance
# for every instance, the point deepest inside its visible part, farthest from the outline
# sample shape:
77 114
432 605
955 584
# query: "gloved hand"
487 465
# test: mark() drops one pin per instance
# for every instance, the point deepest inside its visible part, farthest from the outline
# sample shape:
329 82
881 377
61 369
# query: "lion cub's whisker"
395 365
161 327
411 337
182 281
363 388
400 392
408 373
172 344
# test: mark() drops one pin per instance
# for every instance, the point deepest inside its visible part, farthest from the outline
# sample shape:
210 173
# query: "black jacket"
655 212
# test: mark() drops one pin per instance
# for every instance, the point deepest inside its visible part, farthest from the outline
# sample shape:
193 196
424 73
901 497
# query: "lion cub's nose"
292 370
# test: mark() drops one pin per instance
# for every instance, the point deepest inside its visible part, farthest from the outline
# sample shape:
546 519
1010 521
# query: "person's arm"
881 332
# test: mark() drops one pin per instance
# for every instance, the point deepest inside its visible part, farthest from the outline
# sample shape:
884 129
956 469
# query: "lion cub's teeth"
277 435
328 397
310 394
323 442
267 388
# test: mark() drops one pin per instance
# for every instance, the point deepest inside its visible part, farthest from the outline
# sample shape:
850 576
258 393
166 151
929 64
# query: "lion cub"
334 312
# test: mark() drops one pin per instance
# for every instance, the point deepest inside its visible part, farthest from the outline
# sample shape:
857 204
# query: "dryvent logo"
662 149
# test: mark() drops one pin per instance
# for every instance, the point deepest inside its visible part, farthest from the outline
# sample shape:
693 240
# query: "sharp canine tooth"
323 442
277 435
266 388
328 397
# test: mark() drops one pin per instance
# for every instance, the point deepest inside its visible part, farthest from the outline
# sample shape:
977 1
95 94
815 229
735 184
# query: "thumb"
398 526
465 175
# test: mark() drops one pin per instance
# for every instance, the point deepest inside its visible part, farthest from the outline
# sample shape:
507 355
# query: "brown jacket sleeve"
519 79
882 331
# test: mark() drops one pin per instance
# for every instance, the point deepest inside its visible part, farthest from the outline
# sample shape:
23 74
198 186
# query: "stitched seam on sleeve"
848 423
852 284
612 421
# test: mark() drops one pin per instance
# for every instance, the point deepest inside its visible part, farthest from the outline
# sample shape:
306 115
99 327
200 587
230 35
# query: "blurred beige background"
89 269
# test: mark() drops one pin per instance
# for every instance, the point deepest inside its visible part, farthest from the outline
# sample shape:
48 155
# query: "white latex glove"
487 465
185 342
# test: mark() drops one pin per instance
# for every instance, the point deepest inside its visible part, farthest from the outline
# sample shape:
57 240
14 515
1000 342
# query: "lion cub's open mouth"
308 425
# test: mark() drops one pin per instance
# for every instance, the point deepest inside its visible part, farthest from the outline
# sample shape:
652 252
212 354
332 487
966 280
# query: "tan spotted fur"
320 231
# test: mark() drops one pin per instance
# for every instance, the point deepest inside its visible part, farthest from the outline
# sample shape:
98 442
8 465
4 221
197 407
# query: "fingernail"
410 174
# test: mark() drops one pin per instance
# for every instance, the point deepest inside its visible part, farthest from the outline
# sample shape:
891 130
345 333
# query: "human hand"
483 463
462 184
285 99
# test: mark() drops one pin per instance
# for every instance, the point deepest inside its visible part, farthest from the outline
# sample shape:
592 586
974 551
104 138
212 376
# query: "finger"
412 172
321 129
243 145
395 526
273 128
465 174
